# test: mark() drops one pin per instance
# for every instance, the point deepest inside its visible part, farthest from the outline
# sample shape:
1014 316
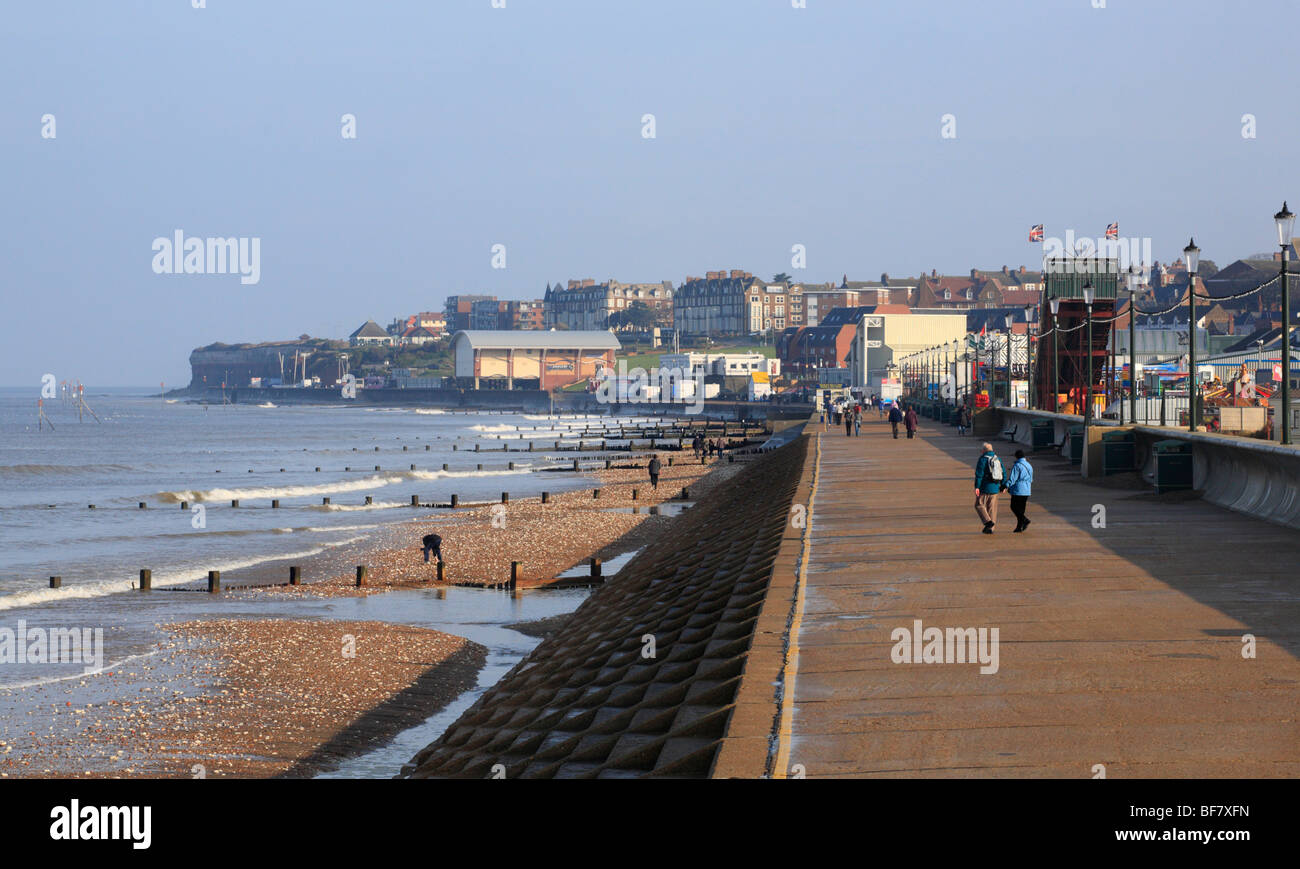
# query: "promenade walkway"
1120 647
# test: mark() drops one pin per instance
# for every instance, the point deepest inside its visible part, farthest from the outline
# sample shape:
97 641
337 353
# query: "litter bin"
1119 452
947 415
1173 465
1076 445
1043 432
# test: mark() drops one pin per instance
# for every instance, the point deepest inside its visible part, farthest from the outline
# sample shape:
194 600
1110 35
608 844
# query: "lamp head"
1192 256
1285 220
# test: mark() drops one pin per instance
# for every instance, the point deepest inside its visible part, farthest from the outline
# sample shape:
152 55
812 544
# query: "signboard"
1277 373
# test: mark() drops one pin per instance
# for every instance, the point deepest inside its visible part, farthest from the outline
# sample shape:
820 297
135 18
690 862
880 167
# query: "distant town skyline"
380 158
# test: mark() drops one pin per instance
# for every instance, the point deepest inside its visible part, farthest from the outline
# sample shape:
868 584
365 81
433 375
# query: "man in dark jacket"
654 467
432 544
988 482
895 417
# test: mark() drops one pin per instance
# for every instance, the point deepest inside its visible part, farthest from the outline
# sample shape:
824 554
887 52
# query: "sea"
127 447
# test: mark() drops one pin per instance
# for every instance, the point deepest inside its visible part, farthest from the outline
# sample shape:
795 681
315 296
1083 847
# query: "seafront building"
585 304
736 303
551 359
881 339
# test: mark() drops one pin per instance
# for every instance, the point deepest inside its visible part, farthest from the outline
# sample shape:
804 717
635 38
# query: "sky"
892 137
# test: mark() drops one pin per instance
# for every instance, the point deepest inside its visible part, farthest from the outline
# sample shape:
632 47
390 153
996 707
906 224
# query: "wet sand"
243 698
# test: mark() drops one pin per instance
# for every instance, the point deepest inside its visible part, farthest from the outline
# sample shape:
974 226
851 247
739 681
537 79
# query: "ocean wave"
110 667
161 579
493 428
375 481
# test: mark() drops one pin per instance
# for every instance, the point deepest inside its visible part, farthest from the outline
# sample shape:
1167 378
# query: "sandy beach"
246 698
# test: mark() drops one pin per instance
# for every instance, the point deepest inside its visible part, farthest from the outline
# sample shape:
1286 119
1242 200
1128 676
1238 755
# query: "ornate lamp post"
1010 398
1192 255
1055 305
1285 220
1029 355
1088 295
1134 279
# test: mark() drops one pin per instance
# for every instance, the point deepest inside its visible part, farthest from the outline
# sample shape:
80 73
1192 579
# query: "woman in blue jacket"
1020 480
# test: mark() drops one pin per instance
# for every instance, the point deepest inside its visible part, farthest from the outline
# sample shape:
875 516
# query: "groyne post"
146 579
361 575
214 582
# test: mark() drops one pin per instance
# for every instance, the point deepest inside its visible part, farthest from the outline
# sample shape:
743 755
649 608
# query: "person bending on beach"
432 543
654 472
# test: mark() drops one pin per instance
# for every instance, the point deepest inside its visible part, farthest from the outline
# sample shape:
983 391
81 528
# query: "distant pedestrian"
653 468
432 544
909 421
848 421
857 421
1020 480
988 482
895 417
963 420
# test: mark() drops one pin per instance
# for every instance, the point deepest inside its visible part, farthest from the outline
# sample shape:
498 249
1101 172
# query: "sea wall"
642 679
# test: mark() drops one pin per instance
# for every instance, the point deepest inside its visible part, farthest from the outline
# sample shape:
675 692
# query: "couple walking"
989 482
907 419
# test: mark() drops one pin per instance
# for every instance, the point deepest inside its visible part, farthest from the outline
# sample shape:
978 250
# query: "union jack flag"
1112 231
1036 232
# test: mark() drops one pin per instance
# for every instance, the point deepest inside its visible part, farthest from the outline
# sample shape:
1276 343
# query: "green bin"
1119 452
1173 465
947 415
1076 445
1044 433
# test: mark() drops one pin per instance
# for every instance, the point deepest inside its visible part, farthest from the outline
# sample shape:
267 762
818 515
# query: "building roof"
554 339
370 329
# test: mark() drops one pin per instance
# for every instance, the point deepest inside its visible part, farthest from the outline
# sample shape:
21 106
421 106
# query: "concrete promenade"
1120 647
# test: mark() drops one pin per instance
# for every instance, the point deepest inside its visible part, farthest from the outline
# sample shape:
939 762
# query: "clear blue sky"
522 126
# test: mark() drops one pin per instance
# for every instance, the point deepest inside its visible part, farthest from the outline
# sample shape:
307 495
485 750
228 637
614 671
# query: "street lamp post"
1010 399
1055 305
1285 219
1029 356
1192 254
1134 281
1088 295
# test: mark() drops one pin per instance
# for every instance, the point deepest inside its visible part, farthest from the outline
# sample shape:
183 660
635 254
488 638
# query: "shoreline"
182 705
236 697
